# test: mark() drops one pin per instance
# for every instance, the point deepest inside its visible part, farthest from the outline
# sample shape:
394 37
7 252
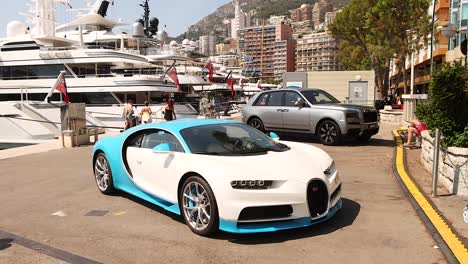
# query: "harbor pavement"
51 200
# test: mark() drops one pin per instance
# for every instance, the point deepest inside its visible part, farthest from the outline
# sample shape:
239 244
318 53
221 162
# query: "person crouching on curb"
415 127
128 114
146 113
169 112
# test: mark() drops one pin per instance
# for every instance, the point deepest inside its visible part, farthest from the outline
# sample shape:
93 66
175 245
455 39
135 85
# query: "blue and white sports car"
221 175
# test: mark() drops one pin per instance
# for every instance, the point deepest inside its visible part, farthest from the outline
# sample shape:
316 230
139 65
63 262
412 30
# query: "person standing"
169 112
145 114
128 115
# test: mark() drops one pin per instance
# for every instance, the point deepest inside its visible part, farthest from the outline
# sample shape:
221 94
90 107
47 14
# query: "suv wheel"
329 133
257 124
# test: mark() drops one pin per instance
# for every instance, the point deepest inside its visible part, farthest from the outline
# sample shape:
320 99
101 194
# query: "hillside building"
207 45
302 13
319 11
267 51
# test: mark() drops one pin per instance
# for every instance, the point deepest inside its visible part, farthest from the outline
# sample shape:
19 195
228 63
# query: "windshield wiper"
208 153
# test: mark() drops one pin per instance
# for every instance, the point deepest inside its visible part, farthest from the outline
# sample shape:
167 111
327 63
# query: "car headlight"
331 169
251 184
352 115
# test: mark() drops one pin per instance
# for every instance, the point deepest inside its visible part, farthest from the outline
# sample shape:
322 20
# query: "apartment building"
422 58
317 52
207 45
458 16
267 51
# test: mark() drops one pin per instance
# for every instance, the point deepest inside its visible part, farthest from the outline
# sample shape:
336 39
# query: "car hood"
346 107
302 162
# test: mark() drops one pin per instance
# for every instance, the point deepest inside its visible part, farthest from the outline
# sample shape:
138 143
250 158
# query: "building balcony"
442 4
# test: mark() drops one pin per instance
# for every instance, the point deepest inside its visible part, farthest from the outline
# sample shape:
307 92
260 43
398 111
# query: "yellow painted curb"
453 242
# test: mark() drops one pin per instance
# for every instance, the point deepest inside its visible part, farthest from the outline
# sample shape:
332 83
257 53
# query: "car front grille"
317 198
370 117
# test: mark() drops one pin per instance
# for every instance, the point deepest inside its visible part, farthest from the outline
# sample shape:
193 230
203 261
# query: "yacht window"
23 45
31 72
93 98
100 98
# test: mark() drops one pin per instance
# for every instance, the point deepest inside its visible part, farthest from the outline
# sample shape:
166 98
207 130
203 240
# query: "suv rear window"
276 99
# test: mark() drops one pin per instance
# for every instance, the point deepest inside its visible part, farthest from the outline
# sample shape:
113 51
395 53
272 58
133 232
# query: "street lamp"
449 30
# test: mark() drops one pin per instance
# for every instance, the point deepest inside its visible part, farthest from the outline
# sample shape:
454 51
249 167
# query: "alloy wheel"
328 133
102 173
196 206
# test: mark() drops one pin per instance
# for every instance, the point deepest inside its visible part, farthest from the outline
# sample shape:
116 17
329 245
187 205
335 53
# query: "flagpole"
62 73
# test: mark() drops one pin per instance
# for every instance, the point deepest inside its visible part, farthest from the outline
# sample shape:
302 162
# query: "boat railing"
81 76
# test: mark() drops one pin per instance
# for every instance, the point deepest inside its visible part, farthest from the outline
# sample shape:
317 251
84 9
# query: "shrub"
447 108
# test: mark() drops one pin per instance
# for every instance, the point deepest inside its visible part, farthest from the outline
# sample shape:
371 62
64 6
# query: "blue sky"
178 15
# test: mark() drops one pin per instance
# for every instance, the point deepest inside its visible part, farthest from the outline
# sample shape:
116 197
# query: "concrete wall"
453 165
337 83
391 117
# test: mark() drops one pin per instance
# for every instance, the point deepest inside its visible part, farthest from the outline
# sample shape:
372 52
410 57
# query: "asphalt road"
376 225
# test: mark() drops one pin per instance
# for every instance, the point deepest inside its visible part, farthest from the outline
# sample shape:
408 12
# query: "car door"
295 116
155 173
271 109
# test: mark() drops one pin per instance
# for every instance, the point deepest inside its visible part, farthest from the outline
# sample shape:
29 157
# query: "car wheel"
257 124
103 174
329 133
198 206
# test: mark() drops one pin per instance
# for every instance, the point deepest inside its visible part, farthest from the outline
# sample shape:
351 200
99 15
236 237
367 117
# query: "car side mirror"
274 136
162 148
301 103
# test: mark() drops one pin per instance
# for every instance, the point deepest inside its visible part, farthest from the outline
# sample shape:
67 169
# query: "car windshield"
320 97
229 140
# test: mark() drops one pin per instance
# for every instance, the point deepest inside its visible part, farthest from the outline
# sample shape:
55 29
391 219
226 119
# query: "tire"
329 133
257 124
103 175
195 210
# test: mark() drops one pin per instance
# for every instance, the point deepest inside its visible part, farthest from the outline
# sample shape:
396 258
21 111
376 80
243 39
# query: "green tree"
372 33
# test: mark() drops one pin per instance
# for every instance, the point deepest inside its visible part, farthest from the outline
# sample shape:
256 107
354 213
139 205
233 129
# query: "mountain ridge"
213 23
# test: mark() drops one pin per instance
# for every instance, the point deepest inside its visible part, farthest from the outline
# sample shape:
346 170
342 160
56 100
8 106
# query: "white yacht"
32 59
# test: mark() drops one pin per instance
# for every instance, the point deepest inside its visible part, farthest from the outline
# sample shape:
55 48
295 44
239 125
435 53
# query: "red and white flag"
230 83
62 88
209 66
173 75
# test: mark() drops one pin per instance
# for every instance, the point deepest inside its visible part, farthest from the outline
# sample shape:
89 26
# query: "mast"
146 14
44 17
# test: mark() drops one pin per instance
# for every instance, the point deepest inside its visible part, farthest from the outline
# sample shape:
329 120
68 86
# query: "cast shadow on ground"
5 243
345 142
151 206
345 217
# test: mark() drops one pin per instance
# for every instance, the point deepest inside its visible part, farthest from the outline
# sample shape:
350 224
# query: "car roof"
181 124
